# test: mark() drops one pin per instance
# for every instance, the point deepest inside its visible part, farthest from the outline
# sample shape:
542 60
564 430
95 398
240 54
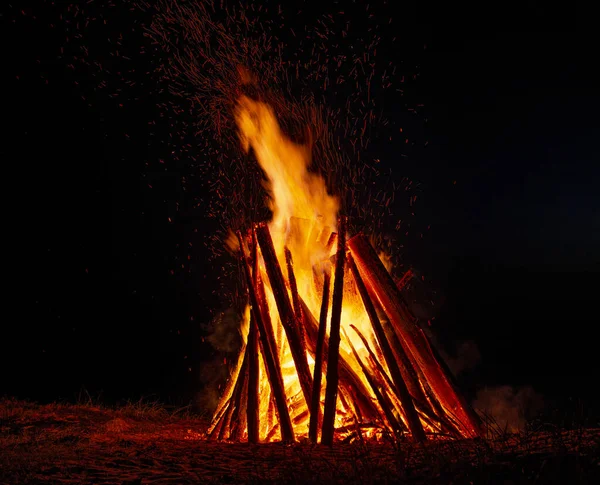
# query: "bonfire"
331 350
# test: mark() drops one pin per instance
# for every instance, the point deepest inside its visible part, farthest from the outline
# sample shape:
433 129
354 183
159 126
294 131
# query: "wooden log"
271 361
286 312
414 424
293 286
348 378
295 300
315 406
228 391
409 369
213 433
381 398
376 276
473 416
252 409
253 405
385 378
239 417
225 432
331 389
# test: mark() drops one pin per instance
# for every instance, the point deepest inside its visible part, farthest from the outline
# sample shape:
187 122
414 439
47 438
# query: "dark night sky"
512 107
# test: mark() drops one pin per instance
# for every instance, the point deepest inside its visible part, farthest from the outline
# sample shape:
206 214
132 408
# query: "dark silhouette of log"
284 307
270 358
431 416
315 406
234 402
383 401
239 417
414 424
219 418
331 390
228 391
409 369
252 409
376 276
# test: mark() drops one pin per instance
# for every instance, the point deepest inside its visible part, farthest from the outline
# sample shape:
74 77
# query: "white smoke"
508 408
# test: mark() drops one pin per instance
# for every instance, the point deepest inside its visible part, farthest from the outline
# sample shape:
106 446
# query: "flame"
304 217
294 191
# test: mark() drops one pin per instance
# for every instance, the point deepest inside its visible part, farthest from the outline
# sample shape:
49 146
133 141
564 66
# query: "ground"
146 444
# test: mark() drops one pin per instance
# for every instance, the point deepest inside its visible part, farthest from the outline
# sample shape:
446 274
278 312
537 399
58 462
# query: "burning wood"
380 378
286 313
315 407
401 390
334 339
382 285
369 388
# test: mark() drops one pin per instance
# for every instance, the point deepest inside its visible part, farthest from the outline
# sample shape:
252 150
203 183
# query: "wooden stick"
331 390
293 286
271 360
414 424
383 401
376 276
234 402
239 418
228 391
408 367
315 406
427 413
348 378
252 409
213 433
473 417
284 306
296 300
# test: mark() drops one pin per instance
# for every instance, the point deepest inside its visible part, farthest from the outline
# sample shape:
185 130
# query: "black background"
509 188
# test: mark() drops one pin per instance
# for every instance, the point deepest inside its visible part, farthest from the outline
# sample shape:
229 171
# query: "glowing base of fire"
391 382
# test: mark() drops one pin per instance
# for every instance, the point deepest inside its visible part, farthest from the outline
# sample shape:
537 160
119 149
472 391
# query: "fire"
295 193
302 210
381 390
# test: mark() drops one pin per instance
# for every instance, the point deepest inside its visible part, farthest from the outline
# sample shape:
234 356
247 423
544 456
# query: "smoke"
226 333
213 376
510 408
467 357
505 408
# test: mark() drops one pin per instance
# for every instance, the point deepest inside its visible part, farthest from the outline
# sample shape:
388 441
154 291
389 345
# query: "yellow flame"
295 191
304 216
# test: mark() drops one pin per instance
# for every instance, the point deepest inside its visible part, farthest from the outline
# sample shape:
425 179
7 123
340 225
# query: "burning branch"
284 306
334 338
269 356
376 276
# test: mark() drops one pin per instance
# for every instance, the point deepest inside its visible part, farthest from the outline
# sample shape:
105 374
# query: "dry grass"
144 442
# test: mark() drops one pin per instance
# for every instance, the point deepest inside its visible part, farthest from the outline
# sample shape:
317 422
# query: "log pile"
383 378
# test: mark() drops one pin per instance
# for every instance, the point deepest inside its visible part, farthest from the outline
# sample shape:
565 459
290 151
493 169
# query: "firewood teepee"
332 351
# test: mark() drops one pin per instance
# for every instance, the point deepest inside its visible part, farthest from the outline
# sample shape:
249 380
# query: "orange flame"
304 216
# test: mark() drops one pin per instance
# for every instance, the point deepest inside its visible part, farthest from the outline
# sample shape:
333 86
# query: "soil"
73 444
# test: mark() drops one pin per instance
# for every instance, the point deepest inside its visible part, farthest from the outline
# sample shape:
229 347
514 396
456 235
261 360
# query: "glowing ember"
390 381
